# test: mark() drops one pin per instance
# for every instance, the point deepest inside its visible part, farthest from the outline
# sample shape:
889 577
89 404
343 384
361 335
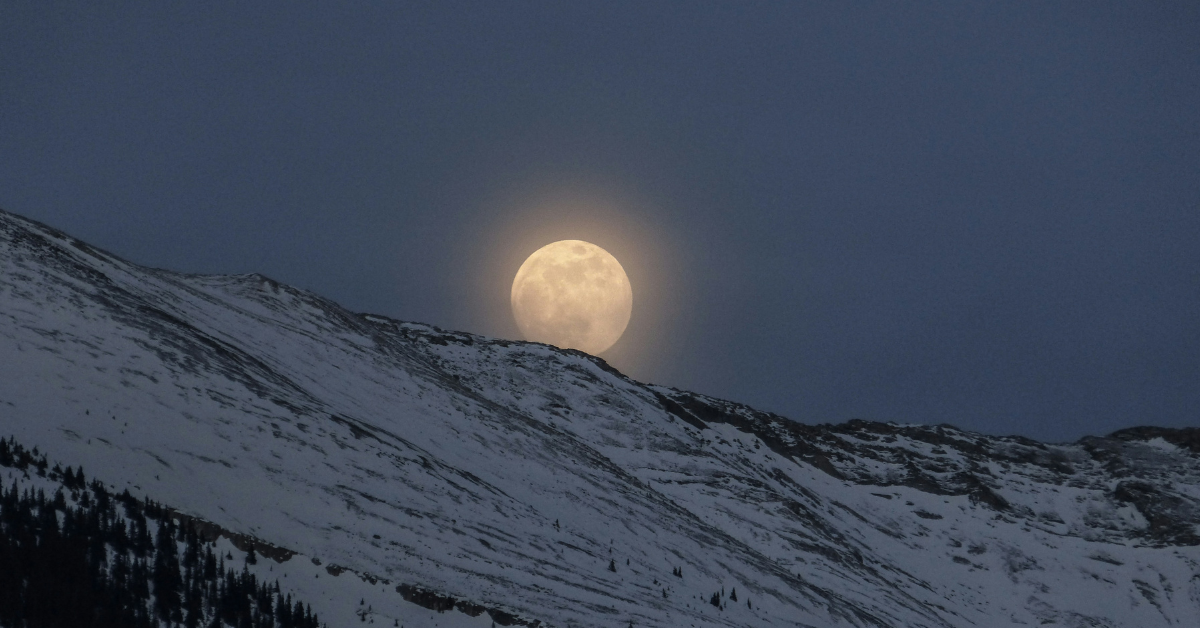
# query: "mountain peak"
547 486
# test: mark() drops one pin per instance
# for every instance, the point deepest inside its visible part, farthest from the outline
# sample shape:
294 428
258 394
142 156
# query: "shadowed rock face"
510 476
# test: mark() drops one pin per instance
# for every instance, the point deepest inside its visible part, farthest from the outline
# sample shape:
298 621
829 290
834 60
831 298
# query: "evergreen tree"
167 580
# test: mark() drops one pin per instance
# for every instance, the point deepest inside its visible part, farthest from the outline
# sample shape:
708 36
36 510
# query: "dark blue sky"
986 214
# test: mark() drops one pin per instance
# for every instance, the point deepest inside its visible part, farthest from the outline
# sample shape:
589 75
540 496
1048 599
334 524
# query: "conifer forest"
79 556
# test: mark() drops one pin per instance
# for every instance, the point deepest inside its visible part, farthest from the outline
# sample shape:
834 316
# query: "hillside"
544 486
74 554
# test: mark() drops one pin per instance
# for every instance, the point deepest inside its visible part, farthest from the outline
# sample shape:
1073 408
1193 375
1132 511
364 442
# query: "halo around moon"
574 295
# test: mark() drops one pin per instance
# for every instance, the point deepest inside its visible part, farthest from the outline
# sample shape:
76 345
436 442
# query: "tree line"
94 562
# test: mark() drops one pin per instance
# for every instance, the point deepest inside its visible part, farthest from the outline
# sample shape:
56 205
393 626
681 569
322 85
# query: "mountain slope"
513 475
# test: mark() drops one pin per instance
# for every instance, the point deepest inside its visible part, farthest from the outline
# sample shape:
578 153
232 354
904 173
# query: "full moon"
574 295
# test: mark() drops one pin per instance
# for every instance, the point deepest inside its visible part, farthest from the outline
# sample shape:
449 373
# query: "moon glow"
574 295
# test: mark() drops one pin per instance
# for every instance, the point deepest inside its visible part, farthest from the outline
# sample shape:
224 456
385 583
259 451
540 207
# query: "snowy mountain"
437 470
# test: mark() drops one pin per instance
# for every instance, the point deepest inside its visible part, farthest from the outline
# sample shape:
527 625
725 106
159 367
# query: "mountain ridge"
364 441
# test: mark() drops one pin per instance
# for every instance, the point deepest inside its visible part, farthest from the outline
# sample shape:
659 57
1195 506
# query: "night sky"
983 214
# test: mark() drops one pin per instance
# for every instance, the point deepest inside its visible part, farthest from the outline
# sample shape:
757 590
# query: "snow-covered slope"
543 483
